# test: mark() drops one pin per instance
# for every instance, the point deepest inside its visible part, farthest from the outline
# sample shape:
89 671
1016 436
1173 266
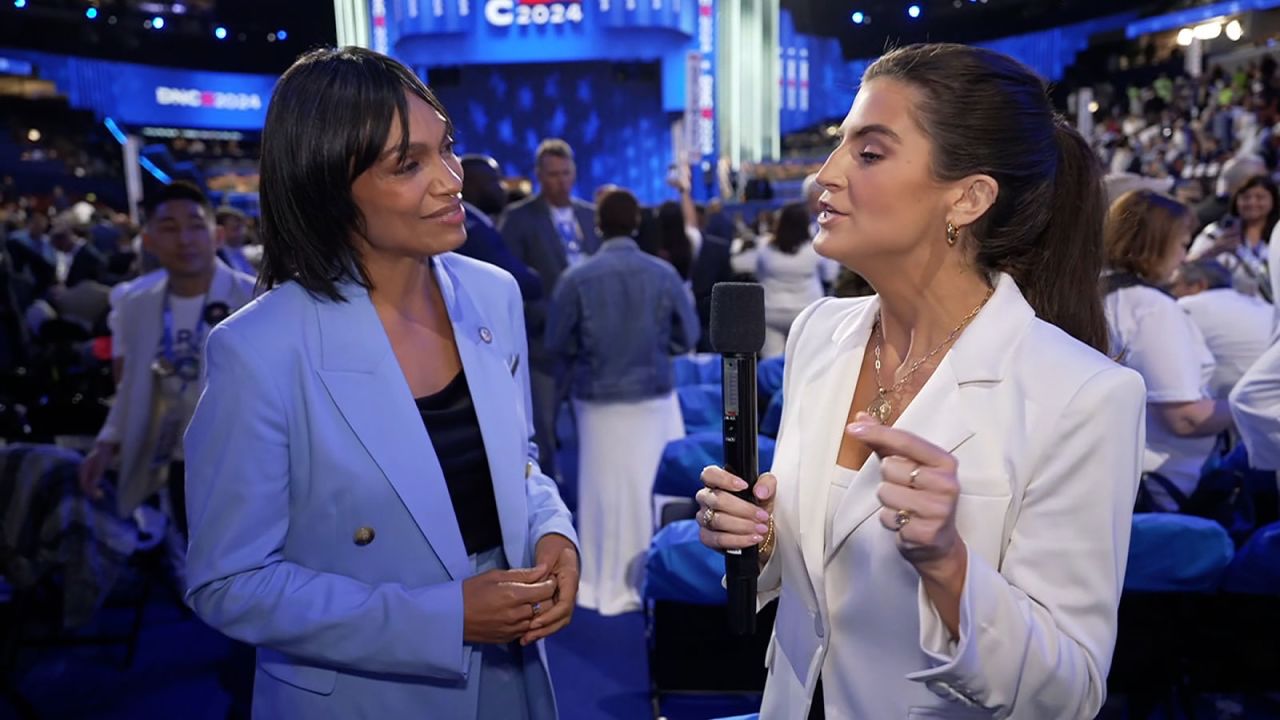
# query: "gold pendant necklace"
881 408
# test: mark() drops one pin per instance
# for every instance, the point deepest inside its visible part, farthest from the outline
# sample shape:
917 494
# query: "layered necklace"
881 407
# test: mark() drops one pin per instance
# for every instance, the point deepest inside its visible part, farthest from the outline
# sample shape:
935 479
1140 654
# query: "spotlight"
858 18
914 11
157 23
282 35
19 4
220 33
271 37
91 13
34 135
1186 36
1234 30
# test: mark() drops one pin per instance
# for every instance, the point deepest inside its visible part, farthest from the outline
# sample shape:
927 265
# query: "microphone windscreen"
737 317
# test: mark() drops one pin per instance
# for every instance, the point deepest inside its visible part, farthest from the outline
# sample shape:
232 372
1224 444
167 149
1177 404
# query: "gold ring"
901 519
911 479
707 516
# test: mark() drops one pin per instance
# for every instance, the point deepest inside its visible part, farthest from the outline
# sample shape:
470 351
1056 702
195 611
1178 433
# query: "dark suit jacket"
531 236
710 267
484 243
88 264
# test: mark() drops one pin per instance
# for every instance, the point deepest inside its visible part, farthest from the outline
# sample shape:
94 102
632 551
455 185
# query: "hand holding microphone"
729 522
737 333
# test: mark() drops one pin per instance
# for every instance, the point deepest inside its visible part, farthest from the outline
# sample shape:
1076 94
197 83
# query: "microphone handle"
741 457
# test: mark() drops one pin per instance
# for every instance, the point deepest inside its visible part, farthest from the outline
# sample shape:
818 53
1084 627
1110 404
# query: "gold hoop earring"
953 234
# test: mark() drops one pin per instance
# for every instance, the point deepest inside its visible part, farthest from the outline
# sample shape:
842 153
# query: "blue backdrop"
616 125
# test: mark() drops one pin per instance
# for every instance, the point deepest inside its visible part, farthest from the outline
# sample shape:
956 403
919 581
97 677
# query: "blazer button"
364 536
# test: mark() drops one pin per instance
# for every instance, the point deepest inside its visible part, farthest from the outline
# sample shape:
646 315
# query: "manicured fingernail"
762 516
856 428
762 492
762 529
739 484
757 539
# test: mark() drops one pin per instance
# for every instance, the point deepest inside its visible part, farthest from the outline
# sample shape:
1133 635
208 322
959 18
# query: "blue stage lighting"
157 22
19 4
91 13
858 17
281 35
914 11
220 33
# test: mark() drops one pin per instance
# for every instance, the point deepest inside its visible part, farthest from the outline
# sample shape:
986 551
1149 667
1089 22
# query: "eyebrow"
418 146
875 129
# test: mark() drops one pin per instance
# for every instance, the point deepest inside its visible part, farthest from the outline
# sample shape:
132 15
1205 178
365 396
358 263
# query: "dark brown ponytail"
988 114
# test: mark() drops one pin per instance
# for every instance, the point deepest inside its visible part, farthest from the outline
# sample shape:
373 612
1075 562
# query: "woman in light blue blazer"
364 502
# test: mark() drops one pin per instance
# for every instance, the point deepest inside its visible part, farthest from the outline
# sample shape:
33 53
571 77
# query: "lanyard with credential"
188 368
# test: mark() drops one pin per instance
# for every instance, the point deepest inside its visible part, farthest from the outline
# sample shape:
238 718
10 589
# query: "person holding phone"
1240 239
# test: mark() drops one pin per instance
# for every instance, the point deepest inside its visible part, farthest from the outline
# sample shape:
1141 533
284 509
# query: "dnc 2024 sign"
505 13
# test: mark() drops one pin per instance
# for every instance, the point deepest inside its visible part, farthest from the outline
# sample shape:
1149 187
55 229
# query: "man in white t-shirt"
1236 327
159 325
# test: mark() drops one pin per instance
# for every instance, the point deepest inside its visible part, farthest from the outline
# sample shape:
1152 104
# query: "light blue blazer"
307 437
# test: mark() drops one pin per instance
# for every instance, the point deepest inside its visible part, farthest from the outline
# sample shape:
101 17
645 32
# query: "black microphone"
737 333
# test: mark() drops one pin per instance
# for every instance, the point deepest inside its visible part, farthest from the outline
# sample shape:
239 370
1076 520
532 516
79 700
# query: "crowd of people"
367 317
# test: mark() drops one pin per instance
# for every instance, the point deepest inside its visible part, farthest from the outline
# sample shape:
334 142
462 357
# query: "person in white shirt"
1236 327
1255 405
159 327
1239 241
1145 237
789 269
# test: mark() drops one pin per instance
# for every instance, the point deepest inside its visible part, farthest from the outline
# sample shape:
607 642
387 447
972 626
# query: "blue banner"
145 95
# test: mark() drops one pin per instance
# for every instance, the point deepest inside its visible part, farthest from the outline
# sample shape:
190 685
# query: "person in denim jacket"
616 320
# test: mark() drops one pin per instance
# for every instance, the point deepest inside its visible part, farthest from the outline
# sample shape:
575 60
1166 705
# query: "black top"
451 421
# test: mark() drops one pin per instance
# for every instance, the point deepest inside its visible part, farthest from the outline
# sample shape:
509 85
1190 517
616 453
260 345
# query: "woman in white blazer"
364 503
947 521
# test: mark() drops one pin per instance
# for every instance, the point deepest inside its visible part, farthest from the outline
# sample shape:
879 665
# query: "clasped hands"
526 604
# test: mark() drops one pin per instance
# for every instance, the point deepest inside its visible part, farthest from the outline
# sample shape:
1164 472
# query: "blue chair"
702 407
771 421
769 379
701 369
1169 552
1256 567
679 567
680 470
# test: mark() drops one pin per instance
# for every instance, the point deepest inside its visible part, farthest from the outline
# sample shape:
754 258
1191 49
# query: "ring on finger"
900 519
708 516
537 608
911 478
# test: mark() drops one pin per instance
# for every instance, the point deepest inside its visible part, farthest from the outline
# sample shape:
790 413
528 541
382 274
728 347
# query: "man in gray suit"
549 232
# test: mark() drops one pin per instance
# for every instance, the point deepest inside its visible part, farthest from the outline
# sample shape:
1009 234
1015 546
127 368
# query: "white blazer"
138 312
1049 438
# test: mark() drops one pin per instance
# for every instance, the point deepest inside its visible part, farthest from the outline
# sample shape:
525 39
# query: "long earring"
953 234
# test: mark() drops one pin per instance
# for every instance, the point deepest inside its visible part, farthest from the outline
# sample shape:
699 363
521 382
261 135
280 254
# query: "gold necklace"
881 408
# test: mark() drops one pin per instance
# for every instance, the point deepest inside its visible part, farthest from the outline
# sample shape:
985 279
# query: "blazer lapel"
493 391
943 411
826 396
362 376
935 414
551 234
587 221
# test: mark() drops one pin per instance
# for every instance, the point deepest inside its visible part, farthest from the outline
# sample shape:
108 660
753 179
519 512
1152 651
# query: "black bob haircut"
328 122
178 190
